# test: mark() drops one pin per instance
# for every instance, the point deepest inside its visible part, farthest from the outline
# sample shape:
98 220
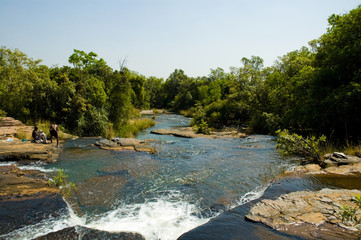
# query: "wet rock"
134 167
96 191
84 233
106 143
26 199
303 207
212 210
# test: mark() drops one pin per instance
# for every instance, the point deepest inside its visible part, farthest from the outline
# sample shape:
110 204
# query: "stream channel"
161 196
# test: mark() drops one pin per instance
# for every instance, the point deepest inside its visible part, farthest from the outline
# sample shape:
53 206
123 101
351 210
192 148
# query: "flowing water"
161 196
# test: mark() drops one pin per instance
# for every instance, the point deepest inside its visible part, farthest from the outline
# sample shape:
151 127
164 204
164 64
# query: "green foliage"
294 144
2 113
349 214
109 131
358 200
315 89
133 127
202 127
60 180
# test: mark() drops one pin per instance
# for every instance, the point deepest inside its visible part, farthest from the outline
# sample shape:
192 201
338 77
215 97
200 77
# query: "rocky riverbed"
310 214
26 197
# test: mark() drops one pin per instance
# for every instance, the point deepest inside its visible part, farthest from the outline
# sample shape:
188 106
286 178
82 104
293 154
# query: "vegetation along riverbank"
313 93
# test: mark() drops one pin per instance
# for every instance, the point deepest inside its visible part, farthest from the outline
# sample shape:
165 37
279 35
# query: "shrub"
60 181
294 144
202 127
2 113
109 131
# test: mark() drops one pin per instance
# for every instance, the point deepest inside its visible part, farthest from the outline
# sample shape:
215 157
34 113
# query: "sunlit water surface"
164 195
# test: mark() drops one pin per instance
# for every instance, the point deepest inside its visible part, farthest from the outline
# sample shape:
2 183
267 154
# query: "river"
161 196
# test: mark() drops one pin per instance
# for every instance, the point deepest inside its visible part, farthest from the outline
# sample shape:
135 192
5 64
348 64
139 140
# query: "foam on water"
163 218
46 226
252 195
38 168
7 163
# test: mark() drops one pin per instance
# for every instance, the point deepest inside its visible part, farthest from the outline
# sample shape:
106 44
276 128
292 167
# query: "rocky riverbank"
26 198
306 203
317 211
188 132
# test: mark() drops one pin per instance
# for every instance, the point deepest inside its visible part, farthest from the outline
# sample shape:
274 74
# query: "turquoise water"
161 196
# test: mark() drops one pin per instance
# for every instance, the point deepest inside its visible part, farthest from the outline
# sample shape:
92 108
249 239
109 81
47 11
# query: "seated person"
54 132
35 134
42 137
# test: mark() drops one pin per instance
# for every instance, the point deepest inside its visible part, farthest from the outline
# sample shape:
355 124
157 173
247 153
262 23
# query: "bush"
294 144
2 114
60 181
109 131
202 127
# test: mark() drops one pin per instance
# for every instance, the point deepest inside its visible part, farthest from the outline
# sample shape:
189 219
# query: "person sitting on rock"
54 132
35 134
42 137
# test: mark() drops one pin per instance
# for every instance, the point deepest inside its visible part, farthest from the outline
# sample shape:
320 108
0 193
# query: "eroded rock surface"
291 210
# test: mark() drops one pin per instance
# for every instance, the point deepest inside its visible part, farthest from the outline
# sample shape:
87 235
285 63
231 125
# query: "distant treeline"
311 90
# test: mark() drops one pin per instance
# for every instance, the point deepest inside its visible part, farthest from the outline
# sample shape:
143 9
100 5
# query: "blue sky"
158 36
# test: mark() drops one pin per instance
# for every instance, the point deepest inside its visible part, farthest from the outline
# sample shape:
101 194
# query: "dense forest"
313 90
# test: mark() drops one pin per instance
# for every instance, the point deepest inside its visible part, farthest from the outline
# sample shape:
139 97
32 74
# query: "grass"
133 127
21 134
352 149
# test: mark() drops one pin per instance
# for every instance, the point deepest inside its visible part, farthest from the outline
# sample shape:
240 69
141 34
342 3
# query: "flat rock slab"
78 232
187 132
17 150
26 198
121 144
304 207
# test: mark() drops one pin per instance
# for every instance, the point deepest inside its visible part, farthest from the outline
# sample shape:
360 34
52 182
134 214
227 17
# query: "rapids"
161 196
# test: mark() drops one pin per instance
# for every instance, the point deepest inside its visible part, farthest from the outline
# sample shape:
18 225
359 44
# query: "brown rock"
303 207
188 132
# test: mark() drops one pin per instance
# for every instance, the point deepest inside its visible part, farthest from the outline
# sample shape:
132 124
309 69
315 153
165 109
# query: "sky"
155 37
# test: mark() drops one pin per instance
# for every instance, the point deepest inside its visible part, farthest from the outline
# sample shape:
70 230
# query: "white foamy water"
46 226
164 218
38 168
7 163
252 195
161 218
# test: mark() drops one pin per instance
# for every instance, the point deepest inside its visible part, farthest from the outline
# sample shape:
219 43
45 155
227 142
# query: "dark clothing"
35 135
54 133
